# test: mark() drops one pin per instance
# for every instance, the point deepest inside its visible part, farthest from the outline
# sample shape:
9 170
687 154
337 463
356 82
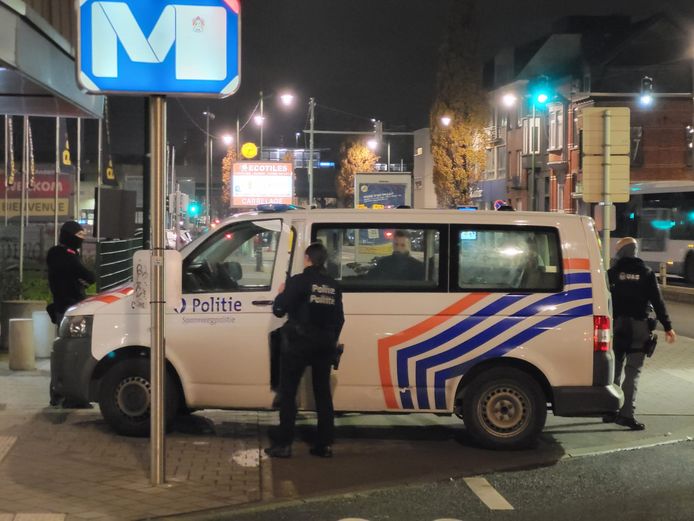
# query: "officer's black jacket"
633 286
312 299
398 266
67 277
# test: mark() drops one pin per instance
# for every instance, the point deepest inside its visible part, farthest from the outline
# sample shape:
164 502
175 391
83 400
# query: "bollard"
22 344
44 334
663 274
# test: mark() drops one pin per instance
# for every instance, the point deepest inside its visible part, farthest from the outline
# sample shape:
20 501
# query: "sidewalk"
68 463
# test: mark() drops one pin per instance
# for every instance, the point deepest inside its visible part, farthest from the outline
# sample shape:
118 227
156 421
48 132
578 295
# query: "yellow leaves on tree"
355 158
226 176
458 150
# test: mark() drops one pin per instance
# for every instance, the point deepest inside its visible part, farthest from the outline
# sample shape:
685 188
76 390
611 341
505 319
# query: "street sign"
249 150
593 185
593 137
161 47
593 150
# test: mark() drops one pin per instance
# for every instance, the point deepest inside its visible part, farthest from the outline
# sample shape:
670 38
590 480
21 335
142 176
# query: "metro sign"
159 47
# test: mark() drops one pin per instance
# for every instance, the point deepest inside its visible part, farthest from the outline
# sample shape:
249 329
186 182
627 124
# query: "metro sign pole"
159 48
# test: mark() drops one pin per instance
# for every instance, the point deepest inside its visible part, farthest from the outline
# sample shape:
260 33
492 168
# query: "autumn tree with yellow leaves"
458 150
229 158
355 158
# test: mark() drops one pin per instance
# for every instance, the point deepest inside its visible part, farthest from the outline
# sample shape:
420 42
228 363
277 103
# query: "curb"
678 294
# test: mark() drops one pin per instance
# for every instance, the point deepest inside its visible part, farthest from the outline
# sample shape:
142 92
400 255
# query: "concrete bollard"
22 344
663 274
44 334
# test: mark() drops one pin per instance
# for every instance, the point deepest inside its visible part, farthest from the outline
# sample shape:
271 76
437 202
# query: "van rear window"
507 259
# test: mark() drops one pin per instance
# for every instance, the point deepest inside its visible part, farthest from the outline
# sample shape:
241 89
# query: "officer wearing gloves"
313 302
634 289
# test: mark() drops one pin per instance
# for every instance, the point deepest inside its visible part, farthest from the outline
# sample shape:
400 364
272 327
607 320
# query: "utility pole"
262 123
312 120
78 169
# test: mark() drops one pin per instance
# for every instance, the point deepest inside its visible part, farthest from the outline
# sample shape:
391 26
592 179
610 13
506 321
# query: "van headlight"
79 326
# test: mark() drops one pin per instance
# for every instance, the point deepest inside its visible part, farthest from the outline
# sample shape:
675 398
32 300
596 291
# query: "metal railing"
114 262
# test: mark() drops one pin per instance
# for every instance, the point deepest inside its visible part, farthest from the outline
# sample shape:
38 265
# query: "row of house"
533 155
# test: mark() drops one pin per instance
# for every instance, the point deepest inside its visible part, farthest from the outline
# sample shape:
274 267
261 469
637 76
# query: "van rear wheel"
125 396
504 408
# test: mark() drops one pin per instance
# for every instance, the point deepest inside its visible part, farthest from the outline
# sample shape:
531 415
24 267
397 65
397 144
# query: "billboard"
261 182
382 191
40 198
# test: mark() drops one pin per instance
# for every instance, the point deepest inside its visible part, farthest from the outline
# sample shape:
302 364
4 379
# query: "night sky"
371 58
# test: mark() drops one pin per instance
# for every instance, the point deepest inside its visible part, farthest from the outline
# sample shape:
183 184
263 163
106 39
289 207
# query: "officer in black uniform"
634 288
67 278
313 302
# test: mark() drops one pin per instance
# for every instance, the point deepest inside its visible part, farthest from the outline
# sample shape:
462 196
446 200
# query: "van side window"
507 259
380 257
240 257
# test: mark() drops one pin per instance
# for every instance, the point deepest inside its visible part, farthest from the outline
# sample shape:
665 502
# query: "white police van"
499 316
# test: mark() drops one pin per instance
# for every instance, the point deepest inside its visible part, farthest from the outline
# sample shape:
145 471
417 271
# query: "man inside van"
313 301
399 265
634 287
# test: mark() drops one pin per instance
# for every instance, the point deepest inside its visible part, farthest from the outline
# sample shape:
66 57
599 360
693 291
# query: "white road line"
39 517
6 443
488 494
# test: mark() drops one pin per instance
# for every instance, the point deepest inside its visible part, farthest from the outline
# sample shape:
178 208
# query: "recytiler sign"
261 182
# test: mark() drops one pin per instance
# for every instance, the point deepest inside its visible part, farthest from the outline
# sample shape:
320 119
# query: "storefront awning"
37 68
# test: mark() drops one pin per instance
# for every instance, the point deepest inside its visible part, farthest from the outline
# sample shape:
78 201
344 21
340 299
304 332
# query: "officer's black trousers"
292 367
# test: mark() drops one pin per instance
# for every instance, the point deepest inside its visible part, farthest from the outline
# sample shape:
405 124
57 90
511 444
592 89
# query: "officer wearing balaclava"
67 276
634 289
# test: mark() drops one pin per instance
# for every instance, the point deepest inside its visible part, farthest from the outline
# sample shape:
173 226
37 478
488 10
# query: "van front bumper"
587 401
72 365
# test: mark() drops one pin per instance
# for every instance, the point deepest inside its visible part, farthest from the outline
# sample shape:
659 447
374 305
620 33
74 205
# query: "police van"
496 317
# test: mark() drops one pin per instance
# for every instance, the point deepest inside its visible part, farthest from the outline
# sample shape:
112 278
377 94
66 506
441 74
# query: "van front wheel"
504 408
125 395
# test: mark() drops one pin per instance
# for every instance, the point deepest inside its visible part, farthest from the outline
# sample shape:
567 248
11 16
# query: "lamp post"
312 120
286 98
208 163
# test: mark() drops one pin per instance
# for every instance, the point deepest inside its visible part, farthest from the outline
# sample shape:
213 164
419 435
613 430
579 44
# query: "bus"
660 215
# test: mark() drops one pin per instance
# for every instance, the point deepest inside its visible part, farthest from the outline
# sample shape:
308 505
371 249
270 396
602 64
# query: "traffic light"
193 209
646 97
540 91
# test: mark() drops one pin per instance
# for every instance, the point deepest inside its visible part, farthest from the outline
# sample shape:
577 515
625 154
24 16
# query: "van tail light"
601 333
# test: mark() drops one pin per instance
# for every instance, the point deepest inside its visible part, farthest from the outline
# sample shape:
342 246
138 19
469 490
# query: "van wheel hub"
503 411
133 396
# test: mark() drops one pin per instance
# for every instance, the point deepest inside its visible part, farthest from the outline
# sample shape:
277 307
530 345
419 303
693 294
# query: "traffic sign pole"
607 197
157 118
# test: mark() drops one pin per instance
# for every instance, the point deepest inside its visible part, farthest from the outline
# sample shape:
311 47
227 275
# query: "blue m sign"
159 47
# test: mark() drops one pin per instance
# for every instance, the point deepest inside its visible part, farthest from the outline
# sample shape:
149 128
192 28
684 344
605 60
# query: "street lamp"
287 100
227 139
372 143
509 100
446 120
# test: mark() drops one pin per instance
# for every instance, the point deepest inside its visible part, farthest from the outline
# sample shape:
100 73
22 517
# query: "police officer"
67 278
313 302
634 288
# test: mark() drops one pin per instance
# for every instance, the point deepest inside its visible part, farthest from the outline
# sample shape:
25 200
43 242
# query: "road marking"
685 374
488 494
39 517
6 443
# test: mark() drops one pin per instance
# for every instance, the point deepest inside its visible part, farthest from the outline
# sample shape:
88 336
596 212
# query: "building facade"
535 147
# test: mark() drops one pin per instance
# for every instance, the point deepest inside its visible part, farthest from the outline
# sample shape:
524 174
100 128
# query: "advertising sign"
159 47
40 200
261 182
382 191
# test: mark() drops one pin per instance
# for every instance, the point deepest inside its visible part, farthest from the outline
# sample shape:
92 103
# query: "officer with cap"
313 301
634 289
